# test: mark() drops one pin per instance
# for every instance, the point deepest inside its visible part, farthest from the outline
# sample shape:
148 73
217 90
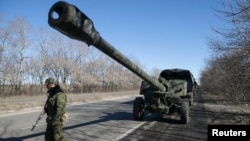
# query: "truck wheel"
138 108
191 100
184 112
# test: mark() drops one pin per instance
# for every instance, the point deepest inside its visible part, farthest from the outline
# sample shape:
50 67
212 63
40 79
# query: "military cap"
49 81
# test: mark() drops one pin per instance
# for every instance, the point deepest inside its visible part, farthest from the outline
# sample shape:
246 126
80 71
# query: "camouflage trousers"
54 133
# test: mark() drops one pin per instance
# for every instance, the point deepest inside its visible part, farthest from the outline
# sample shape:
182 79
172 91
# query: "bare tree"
41 66
229 70
4 35
26 60
19 41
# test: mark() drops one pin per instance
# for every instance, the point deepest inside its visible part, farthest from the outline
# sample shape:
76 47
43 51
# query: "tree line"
227 71
28 57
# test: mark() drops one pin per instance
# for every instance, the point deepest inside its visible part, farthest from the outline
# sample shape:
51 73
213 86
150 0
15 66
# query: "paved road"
207 110
100 121
112 120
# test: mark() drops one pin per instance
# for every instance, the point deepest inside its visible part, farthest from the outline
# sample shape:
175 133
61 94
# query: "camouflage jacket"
55 105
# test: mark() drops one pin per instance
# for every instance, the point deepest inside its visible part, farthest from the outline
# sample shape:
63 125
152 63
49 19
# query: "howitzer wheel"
184 112
191 99
138 108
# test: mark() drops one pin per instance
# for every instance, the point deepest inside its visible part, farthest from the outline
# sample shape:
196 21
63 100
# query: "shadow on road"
108 116
23 137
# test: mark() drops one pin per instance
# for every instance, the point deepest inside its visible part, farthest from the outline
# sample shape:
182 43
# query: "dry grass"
22 103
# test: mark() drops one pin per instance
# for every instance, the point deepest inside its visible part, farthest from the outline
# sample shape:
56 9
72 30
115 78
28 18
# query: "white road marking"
129 131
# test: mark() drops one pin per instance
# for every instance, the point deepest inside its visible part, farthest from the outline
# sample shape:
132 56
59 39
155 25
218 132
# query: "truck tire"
138 108
184 112
191 100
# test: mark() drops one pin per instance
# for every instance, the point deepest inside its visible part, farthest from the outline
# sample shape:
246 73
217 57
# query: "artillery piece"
171 92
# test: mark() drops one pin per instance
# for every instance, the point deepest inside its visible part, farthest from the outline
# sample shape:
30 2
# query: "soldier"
55 109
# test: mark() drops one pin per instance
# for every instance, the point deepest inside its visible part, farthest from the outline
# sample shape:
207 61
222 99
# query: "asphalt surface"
207 110
99 121
112 120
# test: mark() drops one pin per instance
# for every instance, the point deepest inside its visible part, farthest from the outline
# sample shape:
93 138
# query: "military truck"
167 94
185 75
181 86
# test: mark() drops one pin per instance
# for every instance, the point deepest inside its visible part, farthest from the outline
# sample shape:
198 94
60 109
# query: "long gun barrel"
76 25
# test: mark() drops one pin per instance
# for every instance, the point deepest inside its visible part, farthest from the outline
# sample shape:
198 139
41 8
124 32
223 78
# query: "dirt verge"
24 103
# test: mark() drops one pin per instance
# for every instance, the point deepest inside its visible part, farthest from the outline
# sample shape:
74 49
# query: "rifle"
39 117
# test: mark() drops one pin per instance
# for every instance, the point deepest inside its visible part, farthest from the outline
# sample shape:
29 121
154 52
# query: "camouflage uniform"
55 108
